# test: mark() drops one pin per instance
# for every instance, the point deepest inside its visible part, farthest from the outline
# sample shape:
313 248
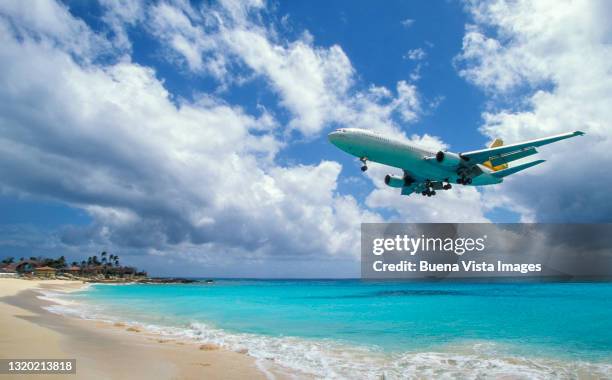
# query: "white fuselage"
414 160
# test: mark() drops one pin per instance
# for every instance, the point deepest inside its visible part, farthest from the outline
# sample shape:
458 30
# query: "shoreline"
122 348
106 350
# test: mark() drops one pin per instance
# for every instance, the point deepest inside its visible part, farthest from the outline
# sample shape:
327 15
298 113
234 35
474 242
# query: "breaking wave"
336 360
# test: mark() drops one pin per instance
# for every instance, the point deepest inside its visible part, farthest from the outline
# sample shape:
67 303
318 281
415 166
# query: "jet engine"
448 159
394 180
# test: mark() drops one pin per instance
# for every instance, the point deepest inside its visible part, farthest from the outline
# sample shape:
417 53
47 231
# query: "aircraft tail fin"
497 142
516 169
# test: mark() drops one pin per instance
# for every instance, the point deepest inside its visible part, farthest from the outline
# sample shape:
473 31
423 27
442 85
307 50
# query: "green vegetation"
97 267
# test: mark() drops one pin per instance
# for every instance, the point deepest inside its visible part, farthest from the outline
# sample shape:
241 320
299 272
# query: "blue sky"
176 132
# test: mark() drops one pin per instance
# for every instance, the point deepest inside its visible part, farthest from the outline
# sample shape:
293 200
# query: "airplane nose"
333 137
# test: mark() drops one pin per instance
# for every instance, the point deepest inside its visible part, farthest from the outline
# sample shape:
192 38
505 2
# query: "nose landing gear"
364 161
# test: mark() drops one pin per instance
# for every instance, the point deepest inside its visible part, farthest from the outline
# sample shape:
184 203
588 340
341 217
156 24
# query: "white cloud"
316 84
52 23
156 175
415 54
407 23
311 81
192 178
458 205
195 46
560 52
120 15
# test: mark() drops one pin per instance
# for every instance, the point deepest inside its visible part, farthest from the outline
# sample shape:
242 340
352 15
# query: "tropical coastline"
104 350
275 189
329 330
103 269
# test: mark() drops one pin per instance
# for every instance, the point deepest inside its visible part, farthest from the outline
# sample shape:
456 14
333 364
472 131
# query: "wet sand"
102 350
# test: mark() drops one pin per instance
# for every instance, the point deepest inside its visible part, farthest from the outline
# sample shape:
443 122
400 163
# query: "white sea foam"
333 360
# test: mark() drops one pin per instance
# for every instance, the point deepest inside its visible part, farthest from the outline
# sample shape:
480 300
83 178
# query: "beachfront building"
8 271
44 271
73 270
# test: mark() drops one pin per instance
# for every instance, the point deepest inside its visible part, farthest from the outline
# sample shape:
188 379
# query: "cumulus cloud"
155 174
52 22
555 57
315 84
191 179
120 15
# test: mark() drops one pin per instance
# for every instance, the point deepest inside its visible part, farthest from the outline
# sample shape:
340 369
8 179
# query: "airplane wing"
507 153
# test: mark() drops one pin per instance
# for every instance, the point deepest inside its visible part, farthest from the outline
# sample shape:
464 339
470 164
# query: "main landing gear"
463 180
429 187
364 161
429 191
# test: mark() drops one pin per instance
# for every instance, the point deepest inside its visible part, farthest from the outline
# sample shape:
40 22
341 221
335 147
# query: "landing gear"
429 187
447 185
463 180
364 161
429 191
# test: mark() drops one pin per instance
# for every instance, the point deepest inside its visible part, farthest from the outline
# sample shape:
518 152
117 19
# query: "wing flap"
513 156
483 155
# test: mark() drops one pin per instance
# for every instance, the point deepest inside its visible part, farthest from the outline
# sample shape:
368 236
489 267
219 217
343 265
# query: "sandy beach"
102 350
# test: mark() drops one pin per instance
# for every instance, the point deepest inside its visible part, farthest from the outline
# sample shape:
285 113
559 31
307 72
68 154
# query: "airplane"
425 171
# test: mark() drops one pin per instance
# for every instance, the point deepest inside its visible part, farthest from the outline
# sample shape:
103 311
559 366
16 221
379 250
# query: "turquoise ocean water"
355 329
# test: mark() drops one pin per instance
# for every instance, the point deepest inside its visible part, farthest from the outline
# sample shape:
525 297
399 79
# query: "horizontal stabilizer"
515 169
